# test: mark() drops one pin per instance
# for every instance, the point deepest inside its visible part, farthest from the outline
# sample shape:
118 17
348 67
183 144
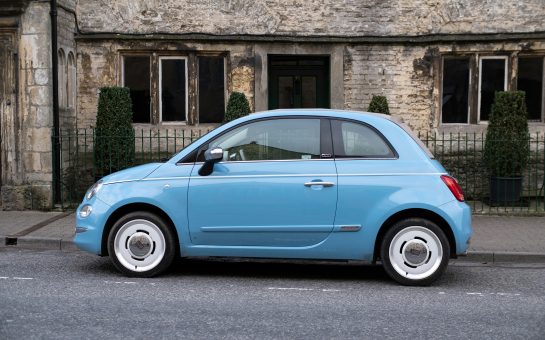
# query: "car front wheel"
415 252
141 244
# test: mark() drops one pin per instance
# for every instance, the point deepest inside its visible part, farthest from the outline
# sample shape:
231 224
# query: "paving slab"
508 234
12 222
63 228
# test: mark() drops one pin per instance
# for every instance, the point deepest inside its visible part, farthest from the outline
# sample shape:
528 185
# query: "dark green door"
298 82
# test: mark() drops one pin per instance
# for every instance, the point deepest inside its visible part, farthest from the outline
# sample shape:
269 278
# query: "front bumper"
89 230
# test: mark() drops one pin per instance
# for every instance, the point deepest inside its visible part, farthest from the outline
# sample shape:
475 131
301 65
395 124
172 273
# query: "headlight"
85 211
93 190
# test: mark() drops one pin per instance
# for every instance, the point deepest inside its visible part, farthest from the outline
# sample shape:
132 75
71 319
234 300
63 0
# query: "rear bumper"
459 219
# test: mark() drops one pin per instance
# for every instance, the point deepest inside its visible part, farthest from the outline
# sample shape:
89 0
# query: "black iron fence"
80 167
461 154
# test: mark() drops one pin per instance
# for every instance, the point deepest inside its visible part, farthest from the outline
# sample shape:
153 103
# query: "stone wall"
99 64
28 175
311 17
395 72
66 28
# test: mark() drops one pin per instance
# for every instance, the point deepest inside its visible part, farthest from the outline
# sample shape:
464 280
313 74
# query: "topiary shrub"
237 107
379 104
506 149
114 133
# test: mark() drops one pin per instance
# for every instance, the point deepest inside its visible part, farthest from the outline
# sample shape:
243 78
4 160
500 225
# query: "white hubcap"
139 245
415 252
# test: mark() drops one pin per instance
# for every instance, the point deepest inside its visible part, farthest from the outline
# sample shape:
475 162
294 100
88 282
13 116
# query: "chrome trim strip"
396 174
165 178
288 175
122 181
269 229
270 161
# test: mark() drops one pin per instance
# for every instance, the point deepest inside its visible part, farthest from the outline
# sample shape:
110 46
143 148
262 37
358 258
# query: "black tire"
161 240
404 265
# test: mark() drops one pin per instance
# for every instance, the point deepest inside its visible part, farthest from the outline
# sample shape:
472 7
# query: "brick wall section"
321 17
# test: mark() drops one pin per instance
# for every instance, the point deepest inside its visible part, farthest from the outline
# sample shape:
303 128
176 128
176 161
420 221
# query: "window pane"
358 140
309 92
173 90
211 90
530 80
492 80
137 79
285 92
272 140
455 90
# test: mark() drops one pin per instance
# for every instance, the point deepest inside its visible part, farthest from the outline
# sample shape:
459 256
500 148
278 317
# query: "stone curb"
43 243
29 242
502 256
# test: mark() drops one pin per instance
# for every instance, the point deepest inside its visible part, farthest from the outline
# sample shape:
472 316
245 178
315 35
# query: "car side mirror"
211 156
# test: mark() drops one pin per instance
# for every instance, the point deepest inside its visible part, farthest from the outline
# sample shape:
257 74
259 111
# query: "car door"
275 186
365 163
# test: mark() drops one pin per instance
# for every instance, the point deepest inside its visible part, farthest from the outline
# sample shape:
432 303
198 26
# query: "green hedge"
114 134
379 104
506 149
237 107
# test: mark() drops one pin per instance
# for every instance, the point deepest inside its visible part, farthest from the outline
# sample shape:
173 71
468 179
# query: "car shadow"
277 269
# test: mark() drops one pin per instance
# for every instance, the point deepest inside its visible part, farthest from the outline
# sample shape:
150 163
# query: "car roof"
322 112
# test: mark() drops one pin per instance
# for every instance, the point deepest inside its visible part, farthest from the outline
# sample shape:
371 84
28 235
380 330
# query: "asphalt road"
55 295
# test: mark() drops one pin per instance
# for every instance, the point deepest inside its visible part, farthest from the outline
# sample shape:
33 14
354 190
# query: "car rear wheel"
141 244
415 252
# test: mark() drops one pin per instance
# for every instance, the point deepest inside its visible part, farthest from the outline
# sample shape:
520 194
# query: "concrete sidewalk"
495 238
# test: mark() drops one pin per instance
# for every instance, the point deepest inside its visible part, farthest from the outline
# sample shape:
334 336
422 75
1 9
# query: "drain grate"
11 241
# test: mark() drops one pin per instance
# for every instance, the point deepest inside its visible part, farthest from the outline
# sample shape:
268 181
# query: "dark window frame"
442 82
475 81
542 57
192 75
506 84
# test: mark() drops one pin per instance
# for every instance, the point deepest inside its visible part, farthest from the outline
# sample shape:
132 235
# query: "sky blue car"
296 184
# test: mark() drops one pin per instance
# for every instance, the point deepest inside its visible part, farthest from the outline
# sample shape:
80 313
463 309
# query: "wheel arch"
419 213
131 207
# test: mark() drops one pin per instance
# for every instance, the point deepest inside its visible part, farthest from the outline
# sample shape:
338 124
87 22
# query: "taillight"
454 187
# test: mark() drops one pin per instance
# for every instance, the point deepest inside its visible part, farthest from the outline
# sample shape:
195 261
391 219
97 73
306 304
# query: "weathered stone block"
39 95
36 18
41 76
25 197
35 50
38 140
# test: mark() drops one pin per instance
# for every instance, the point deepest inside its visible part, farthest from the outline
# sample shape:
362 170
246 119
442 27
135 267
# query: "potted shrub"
114 133
379 104
506 148
237 107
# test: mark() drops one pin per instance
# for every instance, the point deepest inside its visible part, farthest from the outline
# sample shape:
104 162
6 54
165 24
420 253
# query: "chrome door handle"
324 184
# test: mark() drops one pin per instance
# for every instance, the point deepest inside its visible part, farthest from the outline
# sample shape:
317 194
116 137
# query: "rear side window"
354 140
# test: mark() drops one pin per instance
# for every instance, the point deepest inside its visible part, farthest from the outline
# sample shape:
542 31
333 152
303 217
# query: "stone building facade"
437 62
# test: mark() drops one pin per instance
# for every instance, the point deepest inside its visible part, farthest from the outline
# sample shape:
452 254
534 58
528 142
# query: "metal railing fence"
460 153
80 167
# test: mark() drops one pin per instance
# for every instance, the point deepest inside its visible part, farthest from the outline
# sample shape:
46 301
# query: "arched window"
71 81
62 78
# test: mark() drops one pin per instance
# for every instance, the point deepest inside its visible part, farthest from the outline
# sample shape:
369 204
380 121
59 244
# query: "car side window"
278 139
354 140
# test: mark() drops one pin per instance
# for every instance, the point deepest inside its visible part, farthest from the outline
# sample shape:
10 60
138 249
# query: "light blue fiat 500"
295 184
